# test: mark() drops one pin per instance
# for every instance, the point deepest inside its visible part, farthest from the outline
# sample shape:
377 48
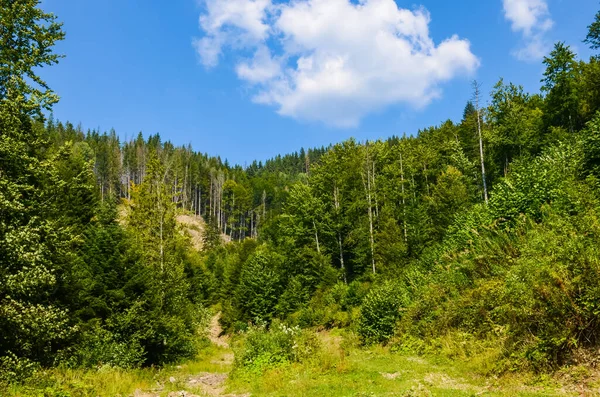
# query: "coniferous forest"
476 241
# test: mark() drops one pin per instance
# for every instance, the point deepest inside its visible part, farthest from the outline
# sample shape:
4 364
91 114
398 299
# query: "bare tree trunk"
307 163
477 88
375 192
336 202
185 181
241 227
412 176
264 204
210 204
403 199
195 199
232 210
161 227
367 186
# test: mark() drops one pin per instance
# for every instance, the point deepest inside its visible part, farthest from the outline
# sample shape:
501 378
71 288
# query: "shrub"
16 369
261 349
380 311
101 347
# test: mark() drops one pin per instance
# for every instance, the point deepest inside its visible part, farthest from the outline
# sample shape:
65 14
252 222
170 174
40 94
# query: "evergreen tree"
560 86
593 36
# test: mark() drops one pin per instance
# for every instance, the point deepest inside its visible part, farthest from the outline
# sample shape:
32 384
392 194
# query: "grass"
340 368
111 382
378 372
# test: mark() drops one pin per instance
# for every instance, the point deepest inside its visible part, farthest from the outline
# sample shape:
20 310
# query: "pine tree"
593 36
560 86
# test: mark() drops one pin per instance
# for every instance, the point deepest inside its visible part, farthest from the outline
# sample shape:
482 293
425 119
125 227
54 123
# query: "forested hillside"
469 237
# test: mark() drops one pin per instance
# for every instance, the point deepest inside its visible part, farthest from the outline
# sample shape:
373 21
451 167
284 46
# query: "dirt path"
215 332
202 383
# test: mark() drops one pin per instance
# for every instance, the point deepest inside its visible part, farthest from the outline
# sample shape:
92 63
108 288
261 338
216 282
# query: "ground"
194 227
341 368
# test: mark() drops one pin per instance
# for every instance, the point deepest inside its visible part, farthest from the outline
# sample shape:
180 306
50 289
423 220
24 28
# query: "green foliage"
259 287
560 85
262 348
212 236
38 228
448 197
16 369
546 179
100 347
332 307
593 36
307 237
526 283
380 311
516 126
591 146
27 35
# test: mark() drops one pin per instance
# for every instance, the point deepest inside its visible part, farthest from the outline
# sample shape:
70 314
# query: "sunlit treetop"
27 37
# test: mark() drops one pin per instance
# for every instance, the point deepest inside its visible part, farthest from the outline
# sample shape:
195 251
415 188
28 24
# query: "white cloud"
333 61
235 22
262 69
532 19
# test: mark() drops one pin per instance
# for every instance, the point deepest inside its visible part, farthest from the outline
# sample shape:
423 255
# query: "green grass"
110 382
341 368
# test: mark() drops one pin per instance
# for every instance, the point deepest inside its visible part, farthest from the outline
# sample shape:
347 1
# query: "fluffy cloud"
333 61
532 19
235 22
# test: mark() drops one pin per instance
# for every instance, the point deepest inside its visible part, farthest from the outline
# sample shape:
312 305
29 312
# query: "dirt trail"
216 332
205 383
213 383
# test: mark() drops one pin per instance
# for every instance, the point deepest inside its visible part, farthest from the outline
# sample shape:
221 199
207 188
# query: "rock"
172 379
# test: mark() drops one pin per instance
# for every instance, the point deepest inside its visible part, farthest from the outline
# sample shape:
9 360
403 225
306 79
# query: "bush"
16 369
100 347
380 311
261 349
532 288
333 307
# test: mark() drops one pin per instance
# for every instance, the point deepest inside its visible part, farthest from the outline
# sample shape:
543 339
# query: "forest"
475 240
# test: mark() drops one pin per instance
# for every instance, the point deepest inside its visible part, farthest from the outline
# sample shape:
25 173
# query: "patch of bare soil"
194 227
139 393
391 376
210 383
215 333
181 393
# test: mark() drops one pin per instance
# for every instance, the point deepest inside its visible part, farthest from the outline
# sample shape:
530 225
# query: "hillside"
461 260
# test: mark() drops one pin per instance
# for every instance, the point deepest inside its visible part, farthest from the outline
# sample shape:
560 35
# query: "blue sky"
249 79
